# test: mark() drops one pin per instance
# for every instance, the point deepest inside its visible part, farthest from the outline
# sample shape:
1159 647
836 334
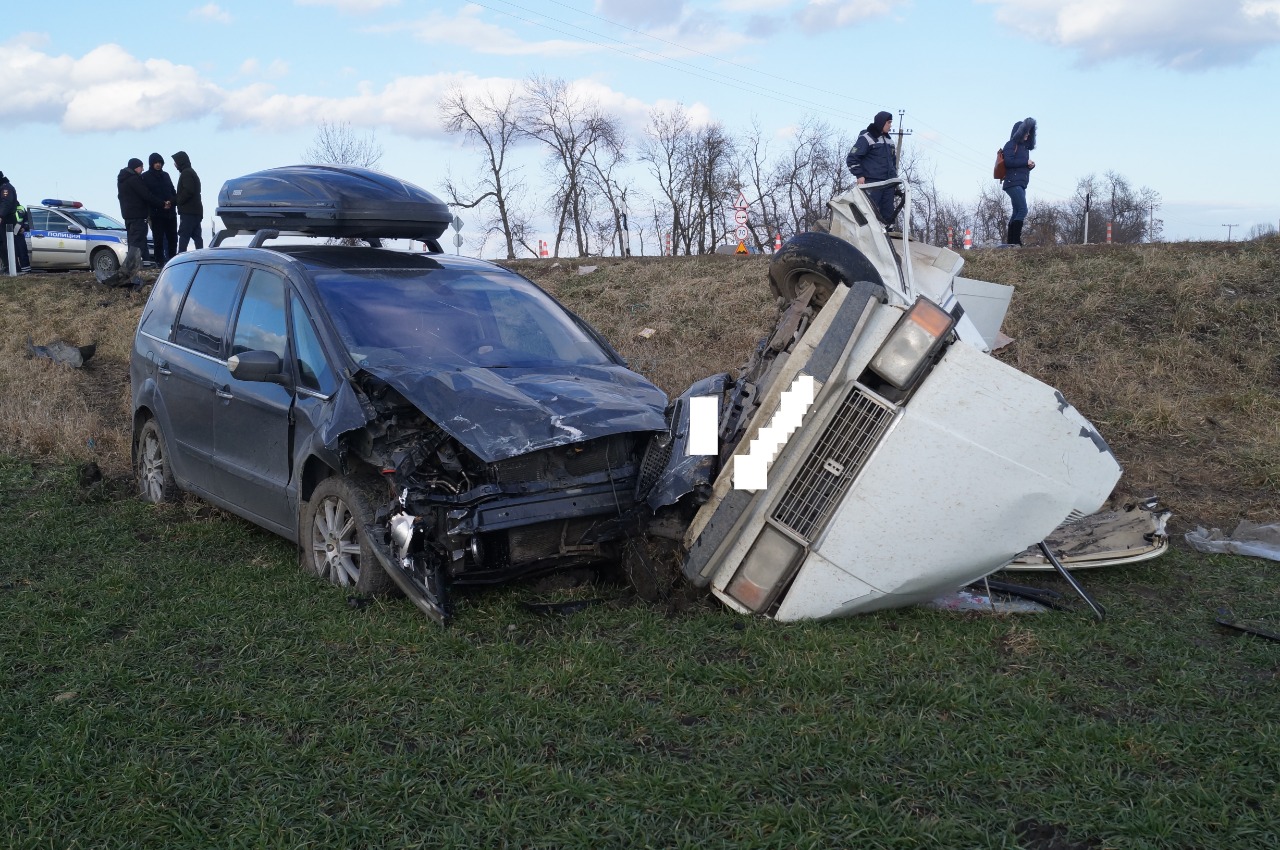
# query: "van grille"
835 461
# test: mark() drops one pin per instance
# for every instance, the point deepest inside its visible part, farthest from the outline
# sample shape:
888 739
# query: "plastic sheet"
1257 540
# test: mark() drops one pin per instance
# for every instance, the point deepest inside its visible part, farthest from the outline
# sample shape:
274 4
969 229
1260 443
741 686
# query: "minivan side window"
203 321
261 324
313 370
166 295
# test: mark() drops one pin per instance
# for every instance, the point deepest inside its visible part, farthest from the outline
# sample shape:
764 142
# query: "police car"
64 235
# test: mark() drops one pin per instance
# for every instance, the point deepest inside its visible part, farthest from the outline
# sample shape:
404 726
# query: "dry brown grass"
1170 349
49 410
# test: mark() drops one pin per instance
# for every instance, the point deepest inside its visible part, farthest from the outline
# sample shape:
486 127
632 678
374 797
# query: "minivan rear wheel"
151 463
333 544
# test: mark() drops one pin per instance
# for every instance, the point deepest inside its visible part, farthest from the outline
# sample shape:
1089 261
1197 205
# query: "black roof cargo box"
331 200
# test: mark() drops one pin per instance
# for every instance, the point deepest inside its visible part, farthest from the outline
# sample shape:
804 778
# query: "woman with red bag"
1018 165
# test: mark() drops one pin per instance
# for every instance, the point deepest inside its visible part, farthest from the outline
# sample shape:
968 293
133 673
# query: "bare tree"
809 174
569 127
338 144
1111 198
489 122
667 138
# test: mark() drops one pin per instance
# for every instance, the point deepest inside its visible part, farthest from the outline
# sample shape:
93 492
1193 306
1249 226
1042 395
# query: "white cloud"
825 15
1179 34
211 12
106 89
353 7
467 27
631 12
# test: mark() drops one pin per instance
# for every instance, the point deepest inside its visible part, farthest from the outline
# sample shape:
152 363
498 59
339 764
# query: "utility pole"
1086 217
1228 227
901 132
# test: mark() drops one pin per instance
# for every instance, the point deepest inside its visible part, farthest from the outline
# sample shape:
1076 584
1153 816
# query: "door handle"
163 368
223 392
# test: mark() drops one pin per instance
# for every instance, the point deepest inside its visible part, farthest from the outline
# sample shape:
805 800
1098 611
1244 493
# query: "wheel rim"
151 467
104 262
822 285
335 546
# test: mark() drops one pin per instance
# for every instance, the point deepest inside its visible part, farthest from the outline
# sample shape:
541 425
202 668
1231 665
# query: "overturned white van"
874 453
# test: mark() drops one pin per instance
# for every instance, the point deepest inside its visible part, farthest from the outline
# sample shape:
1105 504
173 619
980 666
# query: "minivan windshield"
450 318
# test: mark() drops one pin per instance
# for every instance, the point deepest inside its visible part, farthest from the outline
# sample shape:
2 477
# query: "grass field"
170 679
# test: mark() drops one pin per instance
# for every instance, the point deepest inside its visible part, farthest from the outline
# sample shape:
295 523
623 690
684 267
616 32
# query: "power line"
644 54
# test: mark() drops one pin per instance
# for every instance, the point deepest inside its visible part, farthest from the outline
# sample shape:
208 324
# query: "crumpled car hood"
504 412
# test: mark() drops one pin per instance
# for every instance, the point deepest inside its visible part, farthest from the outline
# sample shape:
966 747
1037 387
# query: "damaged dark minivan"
411 420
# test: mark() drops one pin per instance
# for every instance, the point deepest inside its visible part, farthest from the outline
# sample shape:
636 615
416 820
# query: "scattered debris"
585 270
89 474
126 275
1227 621
968 600
1110 538
65 353
646 333
65 696
1257 540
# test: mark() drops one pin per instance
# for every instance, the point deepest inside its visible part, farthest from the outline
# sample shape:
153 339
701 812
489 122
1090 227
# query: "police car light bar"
54 202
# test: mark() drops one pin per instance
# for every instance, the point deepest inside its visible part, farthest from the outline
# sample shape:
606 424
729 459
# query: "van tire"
824 260
332 544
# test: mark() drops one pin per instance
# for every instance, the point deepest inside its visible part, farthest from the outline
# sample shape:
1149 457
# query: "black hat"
134 162
154 158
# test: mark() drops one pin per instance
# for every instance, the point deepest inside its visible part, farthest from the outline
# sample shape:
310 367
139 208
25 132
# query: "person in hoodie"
164 223
872 159
187 200
137 203
1017 173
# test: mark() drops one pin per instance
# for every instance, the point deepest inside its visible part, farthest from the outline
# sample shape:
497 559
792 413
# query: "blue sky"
1176 95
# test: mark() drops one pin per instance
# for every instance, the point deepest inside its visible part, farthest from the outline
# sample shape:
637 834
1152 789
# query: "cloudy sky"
1176 95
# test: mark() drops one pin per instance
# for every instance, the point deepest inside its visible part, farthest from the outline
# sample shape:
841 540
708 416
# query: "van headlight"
771 561
912 343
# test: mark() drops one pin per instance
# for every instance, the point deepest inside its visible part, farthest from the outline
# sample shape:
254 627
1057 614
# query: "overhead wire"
635 51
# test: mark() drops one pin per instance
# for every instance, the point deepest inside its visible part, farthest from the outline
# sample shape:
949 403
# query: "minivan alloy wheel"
335 546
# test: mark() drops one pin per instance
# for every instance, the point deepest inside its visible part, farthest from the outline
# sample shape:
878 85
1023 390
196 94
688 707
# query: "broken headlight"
912 344
766 568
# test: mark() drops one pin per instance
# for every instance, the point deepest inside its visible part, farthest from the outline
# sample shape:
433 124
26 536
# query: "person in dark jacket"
872 159
190 207
136 205
9 204
164 223
1017 173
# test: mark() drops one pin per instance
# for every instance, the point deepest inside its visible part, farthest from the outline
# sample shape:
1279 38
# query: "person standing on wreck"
1017 173
873 159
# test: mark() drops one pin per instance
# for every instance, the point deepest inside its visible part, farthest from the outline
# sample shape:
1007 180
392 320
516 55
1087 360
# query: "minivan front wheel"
332 541
152 465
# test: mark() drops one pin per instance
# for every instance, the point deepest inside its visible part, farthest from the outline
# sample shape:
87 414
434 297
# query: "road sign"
457 239
740 217
741 233
741 203
457 224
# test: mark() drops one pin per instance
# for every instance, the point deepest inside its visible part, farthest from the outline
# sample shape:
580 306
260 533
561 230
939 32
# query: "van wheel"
824 260
151 462
105 263
332 542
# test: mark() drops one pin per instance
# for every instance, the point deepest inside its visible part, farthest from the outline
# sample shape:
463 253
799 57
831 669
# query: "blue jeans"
1017 194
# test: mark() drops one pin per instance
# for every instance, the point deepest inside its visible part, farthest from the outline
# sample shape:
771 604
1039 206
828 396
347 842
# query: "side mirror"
260 366
75 228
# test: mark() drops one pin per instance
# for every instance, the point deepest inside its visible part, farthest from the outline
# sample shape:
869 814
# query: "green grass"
168 678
